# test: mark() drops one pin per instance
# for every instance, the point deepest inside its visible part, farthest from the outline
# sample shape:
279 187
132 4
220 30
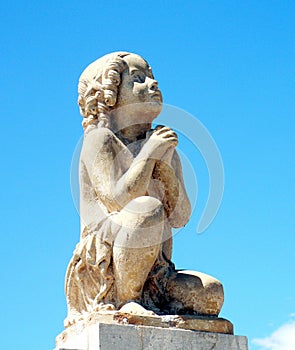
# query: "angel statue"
132 194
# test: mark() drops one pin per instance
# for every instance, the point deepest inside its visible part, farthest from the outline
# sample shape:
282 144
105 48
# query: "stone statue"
132 194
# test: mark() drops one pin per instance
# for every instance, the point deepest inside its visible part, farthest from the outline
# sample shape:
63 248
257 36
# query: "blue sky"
228 63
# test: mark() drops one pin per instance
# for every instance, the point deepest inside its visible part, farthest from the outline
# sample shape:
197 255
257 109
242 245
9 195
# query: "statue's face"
138 85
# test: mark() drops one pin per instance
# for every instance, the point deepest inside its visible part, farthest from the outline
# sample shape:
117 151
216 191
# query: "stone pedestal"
104 336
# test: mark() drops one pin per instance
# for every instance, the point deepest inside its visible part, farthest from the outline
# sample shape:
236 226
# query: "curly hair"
98 89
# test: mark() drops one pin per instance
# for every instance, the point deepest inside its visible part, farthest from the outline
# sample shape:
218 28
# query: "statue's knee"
144 204
195 291
144 210
141 223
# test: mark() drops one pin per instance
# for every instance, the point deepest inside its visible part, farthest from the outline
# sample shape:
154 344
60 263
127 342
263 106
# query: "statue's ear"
81 101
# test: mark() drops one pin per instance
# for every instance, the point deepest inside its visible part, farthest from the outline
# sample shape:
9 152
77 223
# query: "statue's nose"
153 85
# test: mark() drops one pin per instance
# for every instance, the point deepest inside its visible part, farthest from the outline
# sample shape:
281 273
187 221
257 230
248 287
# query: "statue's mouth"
157 95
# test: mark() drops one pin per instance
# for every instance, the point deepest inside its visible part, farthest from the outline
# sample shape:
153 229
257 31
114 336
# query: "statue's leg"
137 244
195 292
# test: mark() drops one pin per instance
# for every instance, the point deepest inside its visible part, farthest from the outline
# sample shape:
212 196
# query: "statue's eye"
138 78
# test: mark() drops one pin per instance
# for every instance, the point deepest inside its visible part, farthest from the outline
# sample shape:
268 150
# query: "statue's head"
119 80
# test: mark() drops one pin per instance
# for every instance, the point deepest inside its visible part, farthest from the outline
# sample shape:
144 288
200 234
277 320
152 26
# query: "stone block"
102 336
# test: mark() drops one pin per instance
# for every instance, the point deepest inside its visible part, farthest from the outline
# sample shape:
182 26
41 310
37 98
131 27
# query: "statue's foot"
104 308
136 309
195 292
72 318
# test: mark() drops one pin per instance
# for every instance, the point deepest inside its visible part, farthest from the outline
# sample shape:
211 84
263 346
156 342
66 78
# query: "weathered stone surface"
132 195
104 336
134 314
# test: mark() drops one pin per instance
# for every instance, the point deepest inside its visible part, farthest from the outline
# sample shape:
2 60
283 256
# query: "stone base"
106 336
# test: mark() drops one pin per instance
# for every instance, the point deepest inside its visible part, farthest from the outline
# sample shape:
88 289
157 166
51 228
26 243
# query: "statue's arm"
176 200
105 158
183 207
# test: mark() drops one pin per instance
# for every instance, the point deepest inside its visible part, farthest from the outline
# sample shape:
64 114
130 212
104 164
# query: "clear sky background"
229 63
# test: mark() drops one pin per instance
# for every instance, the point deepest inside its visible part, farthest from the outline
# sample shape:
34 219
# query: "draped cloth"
90 283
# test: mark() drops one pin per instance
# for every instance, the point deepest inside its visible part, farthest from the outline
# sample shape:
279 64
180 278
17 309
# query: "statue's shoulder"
100 140
100 135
